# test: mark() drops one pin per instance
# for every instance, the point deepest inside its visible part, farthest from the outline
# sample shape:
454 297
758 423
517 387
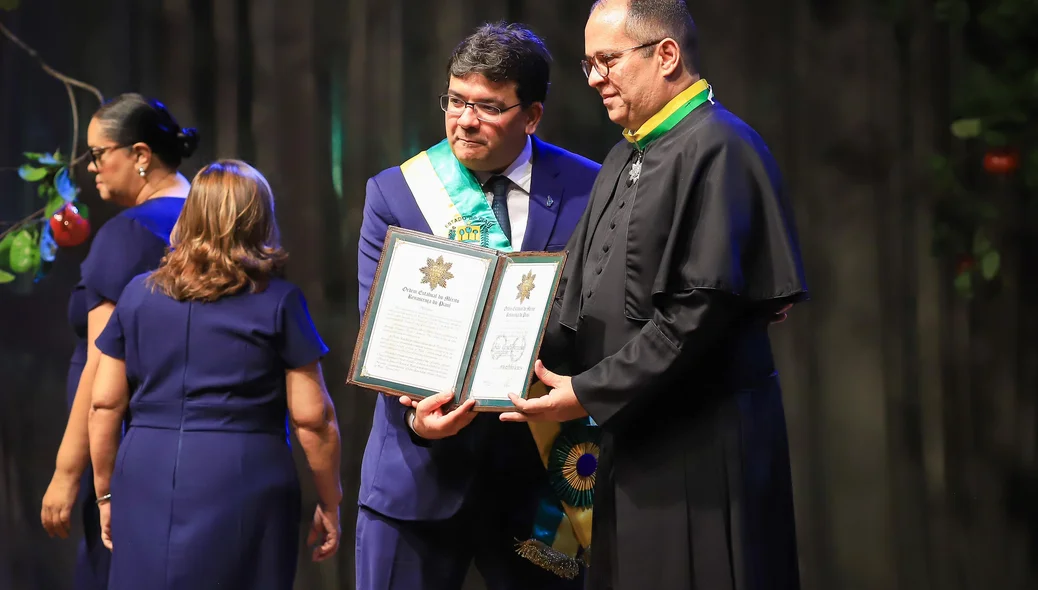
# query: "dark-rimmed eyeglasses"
600 61
96 154
488 113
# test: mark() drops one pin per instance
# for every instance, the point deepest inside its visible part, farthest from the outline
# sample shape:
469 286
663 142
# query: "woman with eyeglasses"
208 357
136 147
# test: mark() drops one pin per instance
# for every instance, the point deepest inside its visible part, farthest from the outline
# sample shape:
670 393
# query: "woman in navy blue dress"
136 148
207 357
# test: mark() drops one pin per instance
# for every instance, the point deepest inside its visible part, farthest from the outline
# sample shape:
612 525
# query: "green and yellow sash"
561 538
456 208
670 115
452 200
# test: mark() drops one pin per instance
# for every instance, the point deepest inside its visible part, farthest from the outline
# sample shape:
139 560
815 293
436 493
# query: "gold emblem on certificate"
436 273
525 286
442 314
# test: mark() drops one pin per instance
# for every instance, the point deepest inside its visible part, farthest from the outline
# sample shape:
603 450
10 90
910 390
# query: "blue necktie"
499 186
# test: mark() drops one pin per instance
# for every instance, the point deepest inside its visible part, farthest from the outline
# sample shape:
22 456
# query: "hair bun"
188 139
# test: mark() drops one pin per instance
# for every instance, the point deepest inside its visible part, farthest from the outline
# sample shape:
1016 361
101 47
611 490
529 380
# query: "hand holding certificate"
443 315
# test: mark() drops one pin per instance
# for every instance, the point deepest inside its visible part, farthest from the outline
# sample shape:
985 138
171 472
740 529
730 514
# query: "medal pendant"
636 170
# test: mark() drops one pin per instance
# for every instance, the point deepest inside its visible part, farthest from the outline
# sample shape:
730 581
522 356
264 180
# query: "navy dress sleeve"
298 342
111 341
122 249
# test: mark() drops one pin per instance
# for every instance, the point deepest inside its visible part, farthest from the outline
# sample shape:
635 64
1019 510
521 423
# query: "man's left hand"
559 405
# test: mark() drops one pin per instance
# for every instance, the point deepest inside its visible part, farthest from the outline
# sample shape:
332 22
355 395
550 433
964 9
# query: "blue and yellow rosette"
561 537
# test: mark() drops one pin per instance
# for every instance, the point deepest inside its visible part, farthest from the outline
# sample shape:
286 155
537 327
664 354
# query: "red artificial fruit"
965 263
1001 161
69 227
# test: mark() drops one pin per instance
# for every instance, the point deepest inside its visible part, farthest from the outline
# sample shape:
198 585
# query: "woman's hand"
105 508
56 514
326 530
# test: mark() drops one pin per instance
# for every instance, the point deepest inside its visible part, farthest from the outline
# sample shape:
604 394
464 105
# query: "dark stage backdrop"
912 415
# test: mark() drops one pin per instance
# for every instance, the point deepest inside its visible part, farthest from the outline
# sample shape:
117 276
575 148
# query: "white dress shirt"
520 172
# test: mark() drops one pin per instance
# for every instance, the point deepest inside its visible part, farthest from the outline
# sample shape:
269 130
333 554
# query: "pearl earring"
141 171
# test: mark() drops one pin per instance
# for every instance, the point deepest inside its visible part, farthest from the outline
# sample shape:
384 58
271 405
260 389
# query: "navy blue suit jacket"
399 478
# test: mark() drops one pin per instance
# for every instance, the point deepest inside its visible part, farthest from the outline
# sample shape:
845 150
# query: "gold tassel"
554 561
585 557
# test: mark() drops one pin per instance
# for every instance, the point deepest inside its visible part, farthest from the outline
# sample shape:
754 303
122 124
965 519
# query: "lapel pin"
549 201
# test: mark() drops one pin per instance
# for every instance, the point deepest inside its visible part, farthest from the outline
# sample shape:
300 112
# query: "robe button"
605 248
598 270
622 204
612 225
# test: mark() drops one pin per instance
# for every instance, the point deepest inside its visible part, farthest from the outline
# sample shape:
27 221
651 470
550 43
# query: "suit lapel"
545 199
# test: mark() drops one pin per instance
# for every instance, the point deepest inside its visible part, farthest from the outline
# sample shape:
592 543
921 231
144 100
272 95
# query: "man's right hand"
780 315
56 514
432 423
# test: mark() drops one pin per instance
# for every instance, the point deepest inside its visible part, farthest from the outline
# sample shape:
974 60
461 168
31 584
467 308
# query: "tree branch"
22 223
66 80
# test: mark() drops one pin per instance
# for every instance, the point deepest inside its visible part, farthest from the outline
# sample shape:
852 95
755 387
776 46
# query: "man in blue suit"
435 497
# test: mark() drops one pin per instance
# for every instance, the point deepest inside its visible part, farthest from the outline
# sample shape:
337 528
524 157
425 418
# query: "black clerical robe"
662 320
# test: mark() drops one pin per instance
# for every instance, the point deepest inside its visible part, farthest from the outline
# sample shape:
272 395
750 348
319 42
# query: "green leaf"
964 284
966 128
8 4
84 211
989 264
5 277
5 247
31 173
55 203
981 243
24 255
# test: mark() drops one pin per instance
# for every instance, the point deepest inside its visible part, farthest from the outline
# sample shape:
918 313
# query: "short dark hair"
505 52
131 118
653 20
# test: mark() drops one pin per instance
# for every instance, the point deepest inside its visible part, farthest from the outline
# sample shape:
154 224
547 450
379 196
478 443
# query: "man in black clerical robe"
687 250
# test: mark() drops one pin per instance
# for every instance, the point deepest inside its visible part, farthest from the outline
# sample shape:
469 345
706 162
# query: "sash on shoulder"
451 200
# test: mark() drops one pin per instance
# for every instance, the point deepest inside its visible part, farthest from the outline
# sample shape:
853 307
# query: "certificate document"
517 314
446 315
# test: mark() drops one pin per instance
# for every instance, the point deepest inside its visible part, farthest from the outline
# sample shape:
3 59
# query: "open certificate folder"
446 315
